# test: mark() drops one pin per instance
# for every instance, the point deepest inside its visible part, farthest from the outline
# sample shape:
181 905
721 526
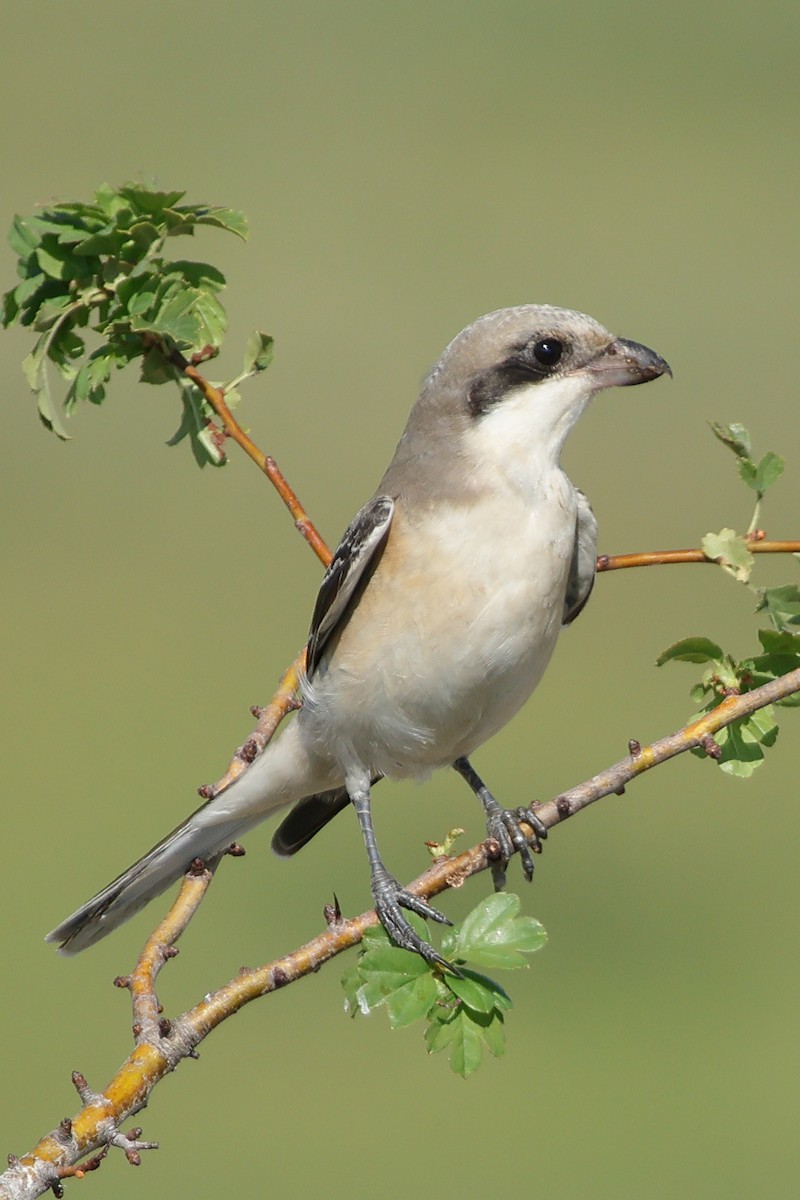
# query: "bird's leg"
504 826
390 898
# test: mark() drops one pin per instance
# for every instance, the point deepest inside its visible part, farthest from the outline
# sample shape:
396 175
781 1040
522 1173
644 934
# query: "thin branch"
98 1123
658 558
216 398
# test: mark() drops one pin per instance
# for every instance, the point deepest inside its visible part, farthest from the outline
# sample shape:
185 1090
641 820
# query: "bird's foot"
504 826
390 900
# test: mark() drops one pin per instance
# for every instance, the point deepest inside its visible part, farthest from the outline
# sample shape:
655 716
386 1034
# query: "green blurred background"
407 167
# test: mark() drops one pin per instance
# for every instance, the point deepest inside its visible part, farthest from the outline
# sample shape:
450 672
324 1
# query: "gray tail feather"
146 879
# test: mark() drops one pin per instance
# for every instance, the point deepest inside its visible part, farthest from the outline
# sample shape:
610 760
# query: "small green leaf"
212 319
143 200
782 604
464 1034
199 274
693 650
729 549
740 755
494 935
769 469
22 238
223 218
478 992
734 436
35 371
258 352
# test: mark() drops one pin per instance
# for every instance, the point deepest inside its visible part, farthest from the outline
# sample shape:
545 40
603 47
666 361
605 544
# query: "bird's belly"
444 647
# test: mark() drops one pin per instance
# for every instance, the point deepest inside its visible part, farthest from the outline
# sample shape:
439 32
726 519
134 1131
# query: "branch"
162 1044
656 558
216 398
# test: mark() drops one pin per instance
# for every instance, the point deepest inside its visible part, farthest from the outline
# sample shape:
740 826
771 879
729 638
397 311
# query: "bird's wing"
584 560
356 557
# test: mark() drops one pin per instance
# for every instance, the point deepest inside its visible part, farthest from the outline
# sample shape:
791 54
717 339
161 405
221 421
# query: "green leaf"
494 935
65 347
769 469
143 200
729 549
478 992
692 649
175 317
199 274
740 755
782 604
258 352
761 727
22 238
194 424
222 218
57 261
734 436
89 383
212 319
464 1034
35 370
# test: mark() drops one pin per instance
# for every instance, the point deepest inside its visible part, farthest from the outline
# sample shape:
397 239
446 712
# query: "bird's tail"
281 776
146 879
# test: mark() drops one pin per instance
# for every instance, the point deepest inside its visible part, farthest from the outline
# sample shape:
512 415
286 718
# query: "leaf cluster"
741 745
463 1013
102 267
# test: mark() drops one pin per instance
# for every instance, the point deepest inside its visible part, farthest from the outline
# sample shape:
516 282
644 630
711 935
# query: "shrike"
438 613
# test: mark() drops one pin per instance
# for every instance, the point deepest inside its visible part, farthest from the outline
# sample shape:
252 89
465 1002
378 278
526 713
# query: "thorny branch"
162 1044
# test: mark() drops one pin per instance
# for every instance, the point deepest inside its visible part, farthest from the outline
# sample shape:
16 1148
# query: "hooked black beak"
625 363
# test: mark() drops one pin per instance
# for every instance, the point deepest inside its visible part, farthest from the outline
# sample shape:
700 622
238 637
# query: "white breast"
452 634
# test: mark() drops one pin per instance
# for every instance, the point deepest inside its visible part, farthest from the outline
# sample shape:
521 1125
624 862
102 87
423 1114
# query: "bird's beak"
624 363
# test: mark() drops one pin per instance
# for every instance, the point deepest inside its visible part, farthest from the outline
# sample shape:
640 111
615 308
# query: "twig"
658 558
264 462
97 1125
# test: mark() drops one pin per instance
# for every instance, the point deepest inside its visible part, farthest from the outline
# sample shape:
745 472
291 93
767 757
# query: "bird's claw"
504 826
390 900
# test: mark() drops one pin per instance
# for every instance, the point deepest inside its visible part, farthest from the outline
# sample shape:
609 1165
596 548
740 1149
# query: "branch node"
494 851
634 748
248 751
711 747
122 981
206 791
332 913
201 356
563 807
236 850
165 1027
257 711
87 1095
64 1131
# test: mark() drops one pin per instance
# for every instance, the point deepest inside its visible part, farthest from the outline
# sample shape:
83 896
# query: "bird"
436 616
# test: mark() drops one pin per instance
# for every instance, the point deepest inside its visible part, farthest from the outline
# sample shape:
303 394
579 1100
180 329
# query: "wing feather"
584 561
356 557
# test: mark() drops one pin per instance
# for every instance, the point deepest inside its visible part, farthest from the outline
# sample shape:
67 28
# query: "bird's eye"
548 351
